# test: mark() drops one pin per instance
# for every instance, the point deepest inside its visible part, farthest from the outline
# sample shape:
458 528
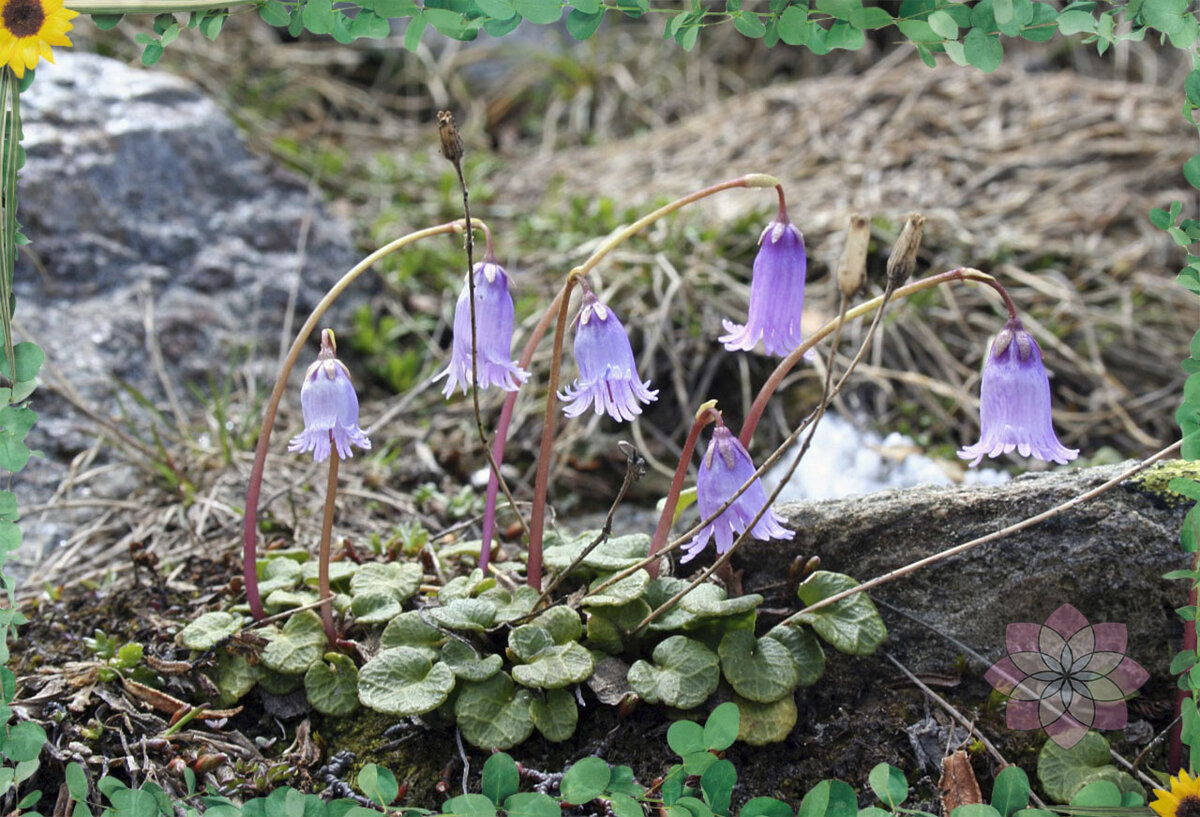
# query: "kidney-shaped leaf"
683 675
294 649
759 669
494 714
403 681
851 625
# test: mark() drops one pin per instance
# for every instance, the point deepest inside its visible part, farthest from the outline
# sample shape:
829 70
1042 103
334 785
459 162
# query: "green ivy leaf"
1064 772
626 590
209 630
410 630
403 681
235 676
561 622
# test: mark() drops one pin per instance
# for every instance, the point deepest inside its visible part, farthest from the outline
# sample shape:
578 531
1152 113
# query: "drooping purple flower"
493 334
776 293
608 378
330 407
726 467
1014 402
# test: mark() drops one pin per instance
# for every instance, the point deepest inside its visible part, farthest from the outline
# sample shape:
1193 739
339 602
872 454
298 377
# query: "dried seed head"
452 144
903 259
851 274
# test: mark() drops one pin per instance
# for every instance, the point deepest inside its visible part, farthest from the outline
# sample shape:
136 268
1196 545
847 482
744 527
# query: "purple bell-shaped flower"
776 293
608 378
330 407
1014 402
726 467
493 334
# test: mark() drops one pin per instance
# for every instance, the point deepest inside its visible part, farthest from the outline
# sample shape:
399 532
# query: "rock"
141 200
1106 557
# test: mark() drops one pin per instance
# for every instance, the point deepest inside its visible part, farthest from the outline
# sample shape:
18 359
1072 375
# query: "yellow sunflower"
1183 800
27 30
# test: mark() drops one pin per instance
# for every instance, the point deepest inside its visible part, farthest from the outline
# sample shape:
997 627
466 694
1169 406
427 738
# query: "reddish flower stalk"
323 555
752 180
254 486
707 414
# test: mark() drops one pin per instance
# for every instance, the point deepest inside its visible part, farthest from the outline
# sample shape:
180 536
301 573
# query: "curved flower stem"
991 537
323 553
1175 744
704 416
785 365
537 518
254 487
751 180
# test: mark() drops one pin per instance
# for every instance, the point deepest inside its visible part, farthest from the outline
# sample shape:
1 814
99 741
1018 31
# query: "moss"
1155 480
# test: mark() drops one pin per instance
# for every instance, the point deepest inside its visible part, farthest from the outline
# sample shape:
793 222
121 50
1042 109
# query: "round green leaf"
541 12
684 674
626 590
511 606
1191 171
501 779
710 601
235 676
889 785
805 649
556 667
765 807
280 573
494 714
469 805
209 630
340 574
410 630
625 806
532 804
619 552
721 728
468 615
561 622
378 784
528 640
465 587
24 742
466 664
983 50
581 25
397 580
759 669
761 724
852 625
1010 791
685 738
298 646
374 608
658 591
717 784
555 717
402 681
585 781
332 685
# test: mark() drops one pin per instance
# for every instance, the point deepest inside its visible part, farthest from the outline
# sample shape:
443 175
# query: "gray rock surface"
139 195
1106 557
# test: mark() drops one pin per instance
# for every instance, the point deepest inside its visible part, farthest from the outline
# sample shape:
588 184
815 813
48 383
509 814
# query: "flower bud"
452 144
851 272
903 260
